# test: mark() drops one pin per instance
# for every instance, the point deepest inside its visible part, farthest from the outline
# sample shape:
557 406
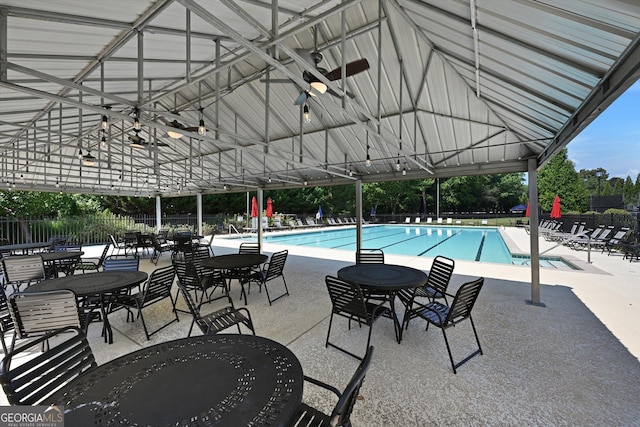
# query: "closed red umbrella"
269 212
254 207
555 209
527 212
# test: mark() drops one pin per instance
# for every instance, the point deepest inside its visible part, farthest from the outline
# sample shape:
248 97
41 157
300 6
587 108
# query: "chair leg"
286 291
446 341
326 344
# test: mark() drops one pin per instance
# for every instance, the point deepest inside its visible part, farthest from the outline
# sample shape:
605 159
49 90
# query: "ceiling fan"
180 127
136 141
314 57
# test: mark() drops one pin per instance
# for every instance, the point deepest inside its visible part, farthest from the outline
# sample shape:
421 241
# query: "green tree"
559 177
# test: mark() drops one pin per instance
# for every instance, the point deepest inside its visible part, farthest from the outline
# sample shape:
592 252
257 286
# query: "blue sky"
612 140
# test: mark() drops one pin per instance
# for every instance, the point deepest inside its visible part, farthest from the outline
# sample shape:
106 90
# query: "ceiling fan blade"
137 139
190 129
302 98
353 68
276 81
349 94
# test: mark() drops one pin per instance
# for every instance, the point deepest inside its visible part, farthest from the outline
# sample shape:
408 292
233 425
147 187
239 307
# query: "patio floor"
574 361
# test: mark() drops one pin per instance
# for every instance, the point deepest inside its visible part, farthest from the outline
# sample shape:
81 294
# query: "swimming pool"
483 244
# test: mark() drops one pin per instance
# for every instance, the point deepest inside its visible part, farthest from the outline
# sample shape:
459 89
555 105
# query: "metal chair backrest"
463 302
193 307
346 298
276 264
6 322
35 313
105 251
369 256
159 284
32 382
198 254
249 248
114 242
23 268
114 263
341 413
187 274
440 274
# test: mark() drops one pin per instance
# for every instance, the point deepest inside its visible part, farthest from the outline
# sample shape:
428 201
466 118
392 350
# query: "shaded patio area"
573 362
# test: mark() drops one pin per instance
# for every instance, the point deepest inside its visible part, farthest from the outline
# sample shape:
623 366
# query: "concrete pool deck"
573 362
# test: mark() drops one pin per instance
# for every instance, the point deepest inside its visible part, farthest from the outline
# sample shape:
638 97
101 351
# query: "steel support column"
359 214
533 233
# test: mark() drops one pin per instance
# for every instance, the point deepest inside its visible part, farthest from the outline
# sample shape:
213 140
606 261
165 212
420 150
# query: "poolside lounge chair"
407 220
586 239
417 220
618 242
429 220
449 221
439 220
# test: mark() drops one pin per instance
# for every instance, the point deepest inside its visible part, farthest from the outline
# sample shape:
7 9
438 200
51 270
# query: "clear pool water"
460 243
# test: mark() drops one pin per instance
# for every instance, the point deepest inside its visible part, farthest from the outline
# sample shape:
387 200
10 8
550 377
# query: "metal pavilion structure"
90 89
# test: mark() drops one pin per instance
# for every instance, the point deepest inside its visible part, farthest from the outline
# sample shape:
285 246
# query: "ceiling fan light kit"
88 159
174 134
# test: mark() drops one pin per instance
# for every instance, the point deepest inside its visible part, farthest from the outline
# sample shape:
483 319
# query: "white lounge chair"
407 220
449 221
439 221
429 220
417 220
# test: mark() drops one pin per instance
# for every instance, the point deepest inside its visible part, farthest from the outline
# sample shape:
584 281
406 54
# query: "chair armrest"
323 385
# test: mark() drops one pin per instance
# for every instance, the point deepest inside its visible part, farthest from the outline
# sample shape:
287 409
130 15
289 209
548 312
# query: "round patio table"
211 380
235 266
94 284
385 279
24 247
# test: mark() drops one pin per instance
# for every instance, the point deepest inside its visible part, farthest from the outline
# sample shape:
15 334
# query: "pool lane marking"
367 239
439 243
484 236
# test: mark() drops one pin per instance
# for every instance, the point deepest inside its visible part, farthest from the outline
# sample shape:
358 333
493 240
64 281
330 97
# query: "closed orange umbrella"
269 212
254 207
555 209
527 212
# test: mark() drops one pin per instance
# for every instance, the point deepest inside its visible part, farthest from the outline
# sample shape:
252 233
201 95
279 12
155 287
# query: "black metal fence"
96 228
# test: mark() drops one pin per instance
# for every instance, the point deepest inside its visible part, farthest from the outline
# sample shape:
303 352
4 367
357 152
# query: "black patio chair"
32 382
348 301
117 245
618 241
93 264
249 248
159 246
22 271
37 313
270 270
156 289
309 416
204 281
219 320
438 279
444 316
66 266
369 256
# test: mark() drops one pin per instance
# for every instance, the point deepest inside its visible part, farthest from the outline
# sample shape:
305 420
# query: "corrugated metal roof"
453 88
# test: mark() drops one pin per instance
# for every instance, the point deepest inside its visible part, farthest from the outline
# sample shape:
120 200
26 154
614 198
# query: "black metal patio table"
24 247
211 380
235 266
99 284
384 279
49 260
